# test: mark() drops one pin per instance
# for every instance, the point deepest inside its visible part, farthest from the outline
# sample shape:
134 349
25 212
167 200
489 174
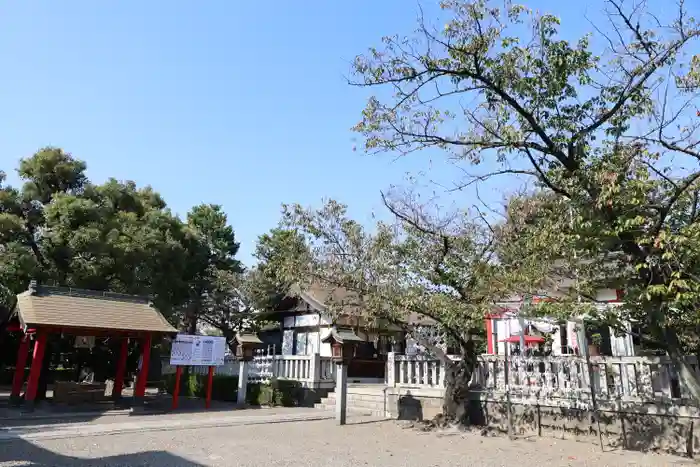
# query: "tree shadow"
22 452
49 413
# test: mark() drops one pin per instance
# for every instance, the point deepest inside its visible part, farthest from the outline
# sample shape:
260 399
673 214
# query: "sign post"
189 350
176 389
210 382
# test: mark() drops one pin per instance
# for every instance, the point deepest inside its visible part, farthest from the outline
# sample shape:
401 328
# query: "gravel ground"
312 444
118 418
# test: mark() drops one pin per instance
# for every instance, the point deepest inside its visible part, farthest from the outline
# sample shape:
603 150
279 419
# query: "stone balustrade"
631 379
310 370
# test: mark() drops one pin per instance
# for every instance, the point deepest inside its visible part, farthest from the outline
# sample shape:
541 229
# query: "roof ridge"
87 293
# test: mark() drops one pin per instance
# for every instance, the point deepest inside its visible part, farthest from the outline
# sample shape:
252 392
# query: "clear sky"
240 103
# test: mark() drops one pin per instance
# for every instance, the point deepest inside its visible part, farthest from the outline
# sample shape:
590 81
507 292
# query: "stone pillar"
390 369
341 393
315 370
500 370
242 381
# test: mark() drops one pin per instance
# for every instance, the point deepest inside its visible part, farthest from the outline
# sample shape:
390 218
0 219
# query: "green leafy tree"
267 283
229 305
211 255
61 229
420 270
609 131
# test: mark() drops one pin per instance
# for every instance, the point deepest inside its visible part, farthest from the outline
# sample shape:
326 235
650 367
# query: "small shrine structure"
44 310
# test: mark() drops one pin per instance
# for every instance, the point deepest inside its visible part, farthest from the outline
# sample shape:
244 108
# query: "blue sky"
244 104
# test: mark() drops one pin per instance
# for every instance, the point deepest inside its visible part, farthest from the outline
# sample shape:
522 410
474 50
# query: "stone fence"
312 371
630 379
630 402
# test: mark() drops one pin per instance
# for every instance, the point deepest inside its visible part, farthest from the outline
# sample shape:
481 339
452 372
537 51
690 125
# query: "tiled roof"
85 309
319 297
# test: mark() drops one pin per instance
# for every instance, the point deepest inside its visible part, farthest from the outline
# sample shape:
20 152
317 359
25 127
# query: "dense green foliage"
268 283
62 229
211 264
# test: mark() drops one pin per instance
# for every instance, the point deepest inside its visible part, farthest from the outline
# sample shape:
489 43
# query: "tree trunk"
189 326
458 375
687 376
192 325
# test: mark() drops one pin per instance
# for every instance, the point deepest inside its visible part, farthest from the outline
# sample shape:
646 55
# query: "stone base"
16 401
29 406
636 426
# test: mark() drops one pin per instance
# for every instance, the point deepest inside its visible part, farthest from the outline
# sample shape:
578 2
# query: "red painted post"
210 383
489 335
121 369
176 389
18 380
35 372
142 379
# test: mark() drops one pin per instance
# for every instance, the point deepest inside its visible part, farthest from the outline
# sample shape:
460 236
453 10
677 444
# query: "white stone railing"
311 370
414 370
633 379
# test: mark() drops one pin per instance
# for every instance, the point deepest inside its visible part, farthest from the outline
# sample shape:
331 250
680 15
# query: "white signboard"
190 350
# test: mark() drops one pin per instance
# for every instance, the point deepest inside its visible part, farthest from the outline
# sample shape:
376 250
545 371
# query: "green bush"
276 393
252 396
224 388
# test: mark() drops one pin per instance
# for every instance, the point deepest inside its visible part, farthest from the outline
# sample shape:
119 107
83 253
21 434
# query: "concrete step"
364 404
354 410
365 398
356 396
368 389
379 404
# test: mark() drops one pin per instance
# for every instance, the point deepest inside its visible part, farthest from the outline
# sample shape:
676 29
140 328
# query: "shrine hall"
45 310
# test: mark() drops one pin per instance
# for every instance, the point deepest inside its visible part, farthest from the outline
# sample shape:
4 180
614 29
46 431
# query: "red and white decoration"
503 329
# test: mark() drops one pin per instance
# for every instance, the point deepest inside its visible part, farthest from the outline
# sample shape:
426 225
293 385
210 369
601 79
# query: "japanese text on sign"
188 350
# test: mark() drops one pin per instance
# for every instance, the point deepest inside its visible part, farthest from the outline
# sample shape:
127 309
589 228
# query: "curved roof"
80 309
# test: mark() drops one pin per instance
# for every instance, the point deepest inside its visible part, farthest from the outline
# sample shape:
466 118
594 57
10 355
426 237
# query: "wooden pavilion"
44 310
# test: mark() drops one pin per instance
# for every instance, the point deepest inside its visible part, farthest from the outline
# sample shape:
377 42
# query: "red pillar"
121 369
142 378
210 383
176 390
489 335
18 380
37 362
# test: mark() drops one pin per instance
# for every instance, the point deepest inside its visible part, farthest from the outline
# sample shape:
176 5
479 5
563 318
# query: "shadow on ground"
49 413
21 452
